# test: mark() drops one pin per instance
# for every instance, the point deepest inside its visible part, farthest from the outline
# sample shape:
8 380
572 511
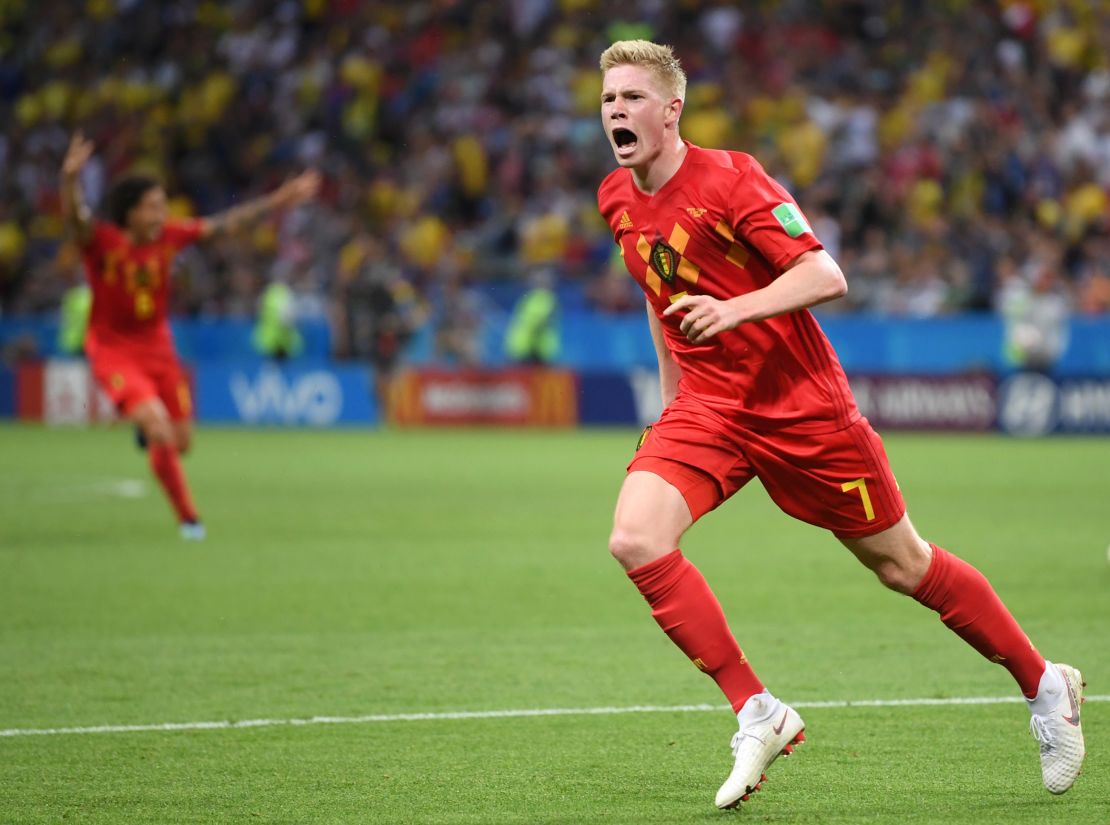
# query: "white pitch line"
94 488
502 714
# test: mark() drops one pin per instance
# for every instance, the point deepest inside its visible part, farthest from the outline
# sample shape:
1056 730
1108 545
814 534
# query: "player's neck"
653 176
136 237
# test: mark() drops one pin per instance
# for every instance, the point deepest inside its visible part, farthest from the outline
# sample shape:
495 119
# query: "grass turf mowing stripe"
503 714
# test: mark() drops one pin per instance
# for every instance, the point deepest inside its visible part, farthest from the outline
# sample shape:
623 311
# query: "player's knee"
184 442
889 575
158 432
894 576
159 438
632 548
622 545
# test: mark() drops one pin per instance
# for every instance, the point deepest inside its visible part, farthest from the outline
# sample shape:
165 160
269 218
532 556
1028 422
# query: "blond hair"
659 59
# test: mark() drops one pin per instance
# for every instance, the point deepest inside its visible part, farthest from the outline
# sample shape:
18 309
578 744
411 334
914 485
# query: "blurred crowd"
953 155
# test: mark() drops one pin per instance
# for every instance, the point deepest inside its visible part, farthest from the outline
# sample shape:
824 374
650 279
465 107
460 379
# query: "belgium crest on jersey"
664 260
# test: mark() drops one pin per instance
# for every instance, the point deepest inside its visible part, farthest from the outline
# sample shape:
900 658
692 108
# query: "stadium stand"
947 173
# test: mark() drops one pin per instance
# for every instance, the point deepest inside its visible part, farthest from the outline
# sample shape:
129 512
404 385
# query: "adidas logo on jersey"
626 222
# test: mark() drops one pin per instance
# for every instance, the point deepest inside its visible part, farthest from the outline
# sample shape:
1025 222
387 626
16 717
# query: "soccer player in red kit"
751 387
129 259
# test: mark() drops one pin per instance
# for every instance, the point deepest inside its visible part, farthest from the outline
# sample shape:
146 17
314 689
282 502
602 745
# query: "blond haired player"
752 388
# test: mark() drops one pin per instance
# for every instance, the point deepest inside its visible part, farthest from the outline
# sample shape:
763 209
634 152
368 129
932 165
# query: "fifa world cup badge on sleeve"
791 219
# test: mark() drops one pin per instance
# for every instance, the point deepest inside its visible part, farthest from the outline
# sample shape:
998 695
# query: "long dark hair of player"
125 195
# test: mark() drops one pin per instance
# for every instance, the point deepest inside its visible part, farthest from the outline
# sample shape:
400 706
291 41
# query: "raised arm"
813 278
295 191
75 211
669 371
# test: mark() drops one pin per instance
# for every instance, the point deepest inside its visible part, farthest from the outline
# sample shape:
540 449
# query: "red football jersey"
721 226
131 285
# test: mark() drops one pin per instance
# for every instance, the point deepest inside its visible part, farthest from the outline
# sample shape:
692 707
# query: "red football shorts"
129 381
838 480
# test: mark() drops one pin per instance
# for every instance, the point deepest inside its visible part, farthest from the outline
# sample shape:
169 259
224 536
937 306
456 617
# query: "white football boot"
768 729
1057 726
192 531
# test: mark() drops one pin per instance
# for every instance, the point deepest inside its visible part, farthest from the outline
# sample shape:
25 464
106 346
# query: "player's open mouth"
625 141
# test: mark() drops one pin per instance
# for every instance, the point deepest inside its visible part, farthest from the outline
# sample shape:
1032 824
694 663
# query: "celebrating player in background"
129 259
751 387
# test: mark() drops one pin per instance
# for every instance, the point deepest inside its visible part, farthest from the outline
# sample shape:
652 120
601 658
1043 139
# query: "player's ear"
674 111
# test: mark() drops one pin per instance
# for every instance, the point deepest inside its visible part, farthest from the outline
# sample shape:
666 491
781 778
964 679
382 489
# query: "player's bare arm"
812 278
78 216
304 187
669 371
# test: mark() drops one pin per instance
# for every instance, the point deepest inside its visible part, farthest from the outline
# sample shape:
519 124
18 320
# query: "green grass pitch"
349 574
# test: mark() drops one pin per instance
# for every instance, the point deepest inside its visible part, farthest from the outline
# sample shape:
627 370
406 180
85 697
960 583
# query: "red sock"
166 465
970 608
690 614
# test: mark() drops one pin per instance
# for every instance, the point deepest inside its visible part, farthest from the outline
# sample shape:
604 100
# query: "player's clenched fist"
706 316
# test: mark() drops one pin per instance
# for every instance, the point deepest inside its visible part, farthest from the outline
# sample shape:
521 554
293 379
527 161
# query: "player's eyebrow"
625 92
